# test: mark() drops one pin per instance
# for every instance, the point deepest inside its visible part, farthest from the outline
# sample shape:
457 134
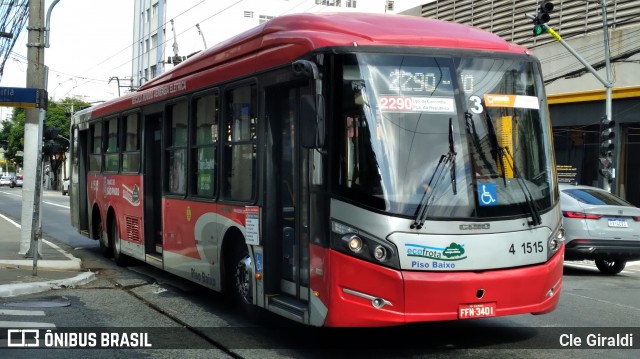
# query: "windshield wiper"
429 193
504 151
535 213
495 147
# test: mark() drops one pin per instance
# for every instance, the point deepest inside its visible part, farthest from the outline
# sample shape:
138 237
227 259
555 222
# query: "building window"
112 155
335 3
154 41
176 148
265 18
154 10
248 14
131 147
148 17
239 147
204 149
350 3
153 71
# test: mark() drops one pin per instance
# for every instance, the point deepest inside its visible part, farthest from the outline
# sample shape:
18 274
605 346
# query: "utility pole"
607 134
608 168
36 78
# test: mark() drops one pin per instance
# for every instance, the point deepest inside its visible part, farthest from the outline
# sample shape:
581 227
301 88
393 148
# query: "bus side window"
239 156
204 150
177 148
95 159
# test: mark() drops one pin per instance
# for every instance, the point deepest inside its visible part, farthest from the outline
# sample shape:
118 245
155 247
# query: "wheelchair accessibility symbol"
487 194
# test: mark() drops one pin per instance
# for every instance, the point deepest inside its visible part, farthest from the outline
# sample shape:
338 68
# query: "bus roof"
288 37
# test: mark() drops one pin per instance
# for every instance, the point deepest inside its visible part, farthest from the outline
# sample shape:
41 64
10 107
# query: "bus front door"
291 188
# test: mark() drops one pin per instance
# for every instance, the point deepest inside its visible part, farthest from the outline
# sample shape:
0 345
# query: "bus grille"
133 229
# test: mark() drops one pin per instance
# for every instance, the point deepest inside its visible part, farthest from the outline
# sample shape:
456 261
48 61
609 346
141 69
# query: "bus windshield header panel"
462 137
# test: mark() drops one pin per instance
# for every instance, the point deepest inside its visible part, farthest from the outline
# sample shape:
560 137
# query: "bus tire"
114 243
240 273
104 246
610 267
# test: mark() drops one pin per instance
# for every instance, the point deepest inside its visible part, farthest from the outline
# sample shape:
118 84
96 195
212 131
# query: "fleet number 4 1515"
527 248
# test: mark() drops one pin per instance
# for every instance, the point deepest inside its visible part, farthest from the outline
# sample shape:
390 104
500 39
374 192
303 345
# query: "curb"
71 264
12 290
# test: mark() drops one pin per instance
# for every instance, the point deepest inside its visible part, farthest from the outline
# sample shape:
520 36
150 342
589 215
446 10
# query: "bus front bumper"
365 294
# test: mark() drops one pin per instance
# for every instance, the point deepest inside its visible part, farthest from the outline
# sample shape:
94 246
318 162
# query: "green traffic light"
539 29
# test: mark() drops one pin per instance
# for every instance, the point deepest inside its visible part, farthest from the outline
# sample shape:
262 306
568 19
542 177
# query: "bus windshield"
452 137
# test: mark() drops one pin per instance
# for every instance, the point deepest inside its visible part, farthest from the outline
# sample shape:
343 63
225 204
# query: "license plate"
618 223
480 310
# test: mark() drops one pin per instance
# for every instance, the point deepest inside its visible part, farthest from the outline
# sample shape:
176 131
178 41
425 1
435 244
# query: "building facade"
167 32
576 97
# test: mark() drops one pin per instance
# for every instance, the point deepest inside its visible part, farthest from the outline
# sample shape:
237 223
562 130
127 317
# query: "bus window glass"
176 148
112 155
401 115
204 150
239 157
131 151
95 159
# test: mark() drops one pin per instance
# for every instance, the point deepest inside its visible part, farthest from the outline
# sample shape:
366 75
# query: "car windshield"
464 136
595 197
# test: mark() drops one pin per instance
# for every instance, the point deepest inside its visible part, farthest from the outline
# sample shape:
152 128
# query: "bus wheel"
240 277
610 267
114 243
104 247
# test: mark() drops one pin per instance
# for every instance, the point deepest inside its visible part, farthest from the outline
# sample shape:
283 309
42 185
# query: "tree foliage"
58 115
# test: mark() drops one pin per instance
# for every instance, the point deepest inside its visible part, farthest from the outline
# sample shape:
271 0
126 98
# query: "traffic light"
606 148
49 133
542 18
49 146
606 136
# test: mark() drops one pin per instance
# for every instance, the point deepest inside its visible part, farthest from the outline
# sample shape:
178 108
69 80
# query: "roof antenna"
202 35
176 59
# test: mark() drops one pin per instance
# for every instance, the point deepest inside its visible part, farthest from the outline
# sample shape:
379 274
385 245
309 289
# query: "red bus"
335 169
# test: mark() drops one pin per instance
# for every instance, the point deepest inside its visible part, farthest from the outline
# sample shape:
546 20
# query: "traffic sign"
22 97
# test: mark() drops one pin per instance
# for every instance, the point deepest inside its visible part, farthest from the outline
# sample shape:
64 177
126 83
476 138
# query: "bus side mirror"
308 123
312 108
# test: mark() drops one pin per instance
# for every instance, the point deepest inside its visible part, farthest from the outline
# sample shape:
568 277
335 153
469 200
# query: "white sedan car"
599 226
5 181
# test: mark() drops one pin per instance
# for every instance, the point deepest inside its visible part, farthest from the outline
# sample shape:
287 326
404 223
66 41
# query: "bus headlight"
380 253
362 245
555 241
354 243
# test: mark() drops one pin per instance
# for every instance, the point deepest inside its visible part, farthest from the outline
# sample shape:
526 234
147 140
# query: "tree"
12 136
58 116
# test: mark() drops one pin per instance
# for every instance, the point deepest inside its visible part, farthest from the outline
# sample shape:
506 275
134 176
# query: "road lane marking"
8 324
21 312
55 204
54 246
601 300
47 202
10 220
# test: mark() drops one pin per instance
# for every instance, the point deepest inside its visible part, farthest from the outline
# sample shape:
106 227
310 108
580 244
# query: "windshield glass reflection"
394 127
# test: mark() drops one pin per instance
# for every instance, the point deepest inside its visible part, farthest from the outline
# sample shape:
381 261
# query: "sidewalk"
56 268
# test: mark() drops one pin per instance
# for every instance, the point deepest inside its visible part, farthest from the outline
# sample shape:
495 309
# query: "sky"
91 42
